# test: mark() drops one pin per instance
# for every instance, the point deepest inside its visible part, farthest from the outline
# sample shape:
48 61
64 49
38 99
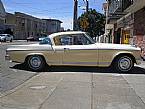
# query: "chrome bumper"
7 57
138 61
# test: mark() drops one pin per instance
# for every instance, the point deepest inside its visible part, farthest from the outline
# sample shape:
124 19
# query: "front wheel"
36 63
123 64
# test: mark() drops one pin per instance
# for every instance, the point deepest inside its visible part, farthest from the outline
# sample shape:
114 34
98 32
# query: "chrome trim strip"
80 63
28 50
105 62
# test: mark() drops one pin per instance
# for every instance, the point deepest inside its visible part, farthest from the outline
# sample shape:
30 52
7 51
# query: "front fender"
122 52
129 53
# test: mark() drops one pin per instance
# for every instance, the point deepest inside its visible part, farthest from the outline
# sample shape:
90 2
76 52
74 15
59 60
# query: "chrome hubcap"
125 63
35 62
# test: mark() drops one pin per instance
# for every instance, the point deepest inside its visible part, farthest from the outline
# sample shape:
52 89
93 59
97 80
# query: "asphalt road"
10 77
69 87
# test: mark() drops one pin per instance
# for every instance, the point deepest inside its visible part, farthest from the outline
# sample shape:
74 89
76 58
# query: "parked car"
6 37
74 49
41 38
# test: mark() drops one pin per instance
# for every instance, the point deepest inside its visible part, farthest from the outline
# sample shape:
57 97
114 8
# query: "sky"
51 9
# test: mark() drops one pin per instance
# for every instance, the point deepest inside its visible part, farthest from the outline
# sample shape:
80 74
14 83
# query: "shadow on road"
135 70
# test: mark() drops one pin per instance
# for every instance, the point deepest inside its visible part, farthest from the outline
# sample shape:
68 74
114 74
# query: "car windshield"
46 40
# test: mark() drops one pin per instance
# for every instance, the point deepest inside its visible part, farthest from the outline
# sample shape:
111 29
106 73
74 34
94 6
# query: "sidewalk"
78 90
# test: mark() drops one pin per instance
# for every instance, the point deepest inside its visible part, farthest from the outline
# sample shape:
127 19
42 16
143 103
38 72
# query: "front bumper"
138 61
2 39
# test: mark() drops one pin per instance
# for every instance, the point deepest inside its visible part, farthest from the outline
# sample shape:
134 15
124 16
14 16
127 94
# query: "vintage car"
74 48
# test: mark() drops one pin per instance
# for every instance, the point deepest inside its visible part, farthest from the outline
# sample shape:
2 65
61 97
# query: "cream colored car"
74 49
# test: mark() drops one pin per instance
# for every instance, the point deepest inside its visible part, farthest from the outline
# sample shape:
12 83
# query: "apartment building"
24 25
53 25
2 17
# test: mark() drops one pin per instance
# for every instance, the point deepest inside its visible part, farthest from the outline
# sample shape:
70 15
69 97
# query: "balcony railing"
118 6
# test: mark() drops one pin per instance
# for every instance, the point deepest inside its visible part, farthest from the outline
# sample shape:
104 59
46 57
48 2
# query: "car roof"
65 33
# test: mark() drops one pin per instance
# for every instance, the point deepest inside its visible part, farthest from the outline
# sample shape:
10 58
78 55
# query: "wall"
53 25
2 17
139 29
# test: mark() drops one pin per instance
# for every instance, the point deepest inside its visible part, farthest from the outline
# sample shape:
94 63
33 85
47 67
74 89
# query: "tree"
92 22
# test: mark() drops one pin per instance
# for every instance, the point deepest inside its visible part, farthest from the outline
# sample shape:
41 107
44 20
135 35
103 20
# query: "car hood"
2 36
116 46
36 46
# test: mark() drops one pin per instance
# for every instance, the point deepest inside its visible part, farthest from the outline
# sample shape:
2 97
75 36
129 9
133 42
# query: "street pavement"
70 87
10 77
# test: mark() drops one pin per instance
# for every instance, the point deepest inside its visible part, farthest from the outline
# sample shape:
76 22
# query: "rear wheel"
123 63
36 62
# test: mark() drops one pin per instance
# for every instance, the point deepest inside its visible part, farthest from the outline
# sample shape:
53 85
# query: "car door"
80 55
77 51
58 48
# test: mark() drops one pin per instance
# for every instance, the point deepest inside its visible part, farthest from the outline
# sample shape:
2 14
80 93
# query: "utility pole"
107 12
87 5
75 15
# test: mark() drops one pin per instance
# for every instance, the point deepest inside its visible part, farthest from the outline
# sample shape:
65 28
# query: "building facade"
116 10
27 26
2 17
53 25
23 25
132 25
129 27
10 22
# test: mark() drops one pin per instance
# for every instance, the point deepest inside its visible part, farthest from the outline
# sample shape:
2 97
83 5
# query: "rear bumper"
7 57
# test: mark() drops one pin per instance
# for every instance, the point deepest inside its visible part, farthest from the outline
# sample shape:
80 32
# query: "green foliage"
92 22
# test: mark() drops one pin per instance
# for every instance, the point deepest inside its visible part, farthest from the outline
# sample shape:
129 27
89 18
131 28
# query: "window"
75 39
46 41
81 39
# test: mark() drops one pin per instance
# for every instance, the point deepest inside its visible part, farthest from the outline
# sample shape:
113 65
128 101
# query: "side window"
66 40
81 39
57 40
63 40
76 39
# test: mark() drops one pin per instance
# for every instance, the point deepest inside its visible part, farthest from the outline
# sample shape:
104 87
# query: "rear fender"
32 54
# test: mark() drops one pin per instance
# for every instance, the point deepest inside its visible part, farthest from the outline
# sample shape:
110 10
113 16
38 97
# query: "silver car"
6 37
